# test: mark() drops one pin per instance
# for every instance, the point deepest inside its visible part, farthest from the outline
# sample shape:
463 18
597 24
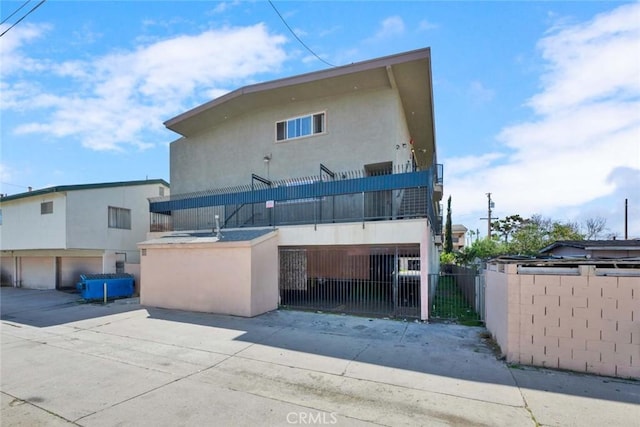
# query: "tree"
538 232
481 249
530 238
472 234
565 231
447 258
594 227
526 236
448 234
507 226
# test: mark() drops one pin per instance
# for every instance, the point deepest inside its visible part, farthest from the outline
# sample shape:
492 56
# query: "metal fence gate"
457 294
362 279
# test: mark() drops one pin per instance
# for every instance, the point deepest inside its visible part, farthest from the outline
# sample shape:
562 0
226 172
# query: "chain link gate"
456 294
364 280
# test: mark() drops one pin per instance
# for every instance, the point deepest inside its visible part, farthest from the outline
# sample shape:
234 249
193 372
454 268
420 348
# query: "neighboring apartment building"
458 236
51 236
340 165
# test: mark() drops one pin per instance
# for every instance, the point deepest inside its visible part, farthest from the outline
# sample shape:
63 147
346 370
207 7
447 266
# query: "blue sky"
535 102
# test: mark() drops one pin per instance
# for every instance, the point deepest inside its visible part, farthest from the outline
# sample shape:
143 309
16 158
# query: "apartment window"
298 127
46 208
119 218
161 191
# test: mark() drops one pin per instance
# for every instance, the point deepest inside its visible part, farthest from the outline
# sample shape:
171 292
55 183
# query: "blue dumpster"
91 286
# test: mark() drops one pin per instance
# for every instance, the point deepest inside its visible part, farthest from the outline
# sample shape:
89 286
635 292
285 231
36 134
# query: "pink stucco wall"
134 270
237 278
586 322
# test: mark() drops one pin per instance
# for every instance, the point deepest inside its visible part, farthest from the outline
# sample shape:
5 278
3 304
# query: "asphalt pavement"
66 362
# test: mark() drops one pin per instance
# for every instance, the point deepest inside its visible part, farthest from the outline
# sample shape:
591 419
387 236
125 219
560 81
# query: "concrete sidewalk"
64 362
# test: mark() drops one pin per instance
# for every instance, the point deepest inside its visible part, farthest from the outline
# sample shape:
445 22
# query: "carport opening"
382 281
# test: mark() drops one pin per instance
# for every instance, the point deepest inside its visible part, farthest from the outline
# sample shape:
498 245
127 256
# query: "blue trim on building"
301 191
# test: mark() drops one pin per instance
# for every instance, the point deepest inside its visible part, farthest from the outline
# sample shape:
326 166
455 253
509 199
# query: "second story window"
119 218
298 127
46 208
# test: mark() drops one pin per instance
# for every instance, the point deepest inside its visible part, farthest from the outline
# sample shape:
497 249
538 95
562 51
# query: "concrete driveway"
65 362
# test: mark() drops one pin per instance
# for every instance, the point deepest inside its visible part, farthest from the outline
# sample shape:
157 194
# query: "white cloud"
425 25
6 173
390 27
329 31
591 61
479 93
586 125
13 61
300 32
86 35
119 96
224 6
463 165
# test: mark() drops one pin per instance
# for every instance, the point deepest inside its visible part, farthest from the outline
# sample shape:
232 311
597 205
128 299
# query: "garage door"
70 269
37 272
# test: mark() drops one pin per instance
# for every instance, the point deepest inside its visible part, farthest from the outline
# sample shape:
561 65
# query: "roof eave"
66 188
178 123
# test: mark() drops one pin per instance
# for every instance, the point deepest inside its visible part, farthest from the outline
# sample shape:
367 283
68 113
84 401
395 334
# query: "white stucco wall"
74 239
79 220
353 233
87 218
361 128
24 227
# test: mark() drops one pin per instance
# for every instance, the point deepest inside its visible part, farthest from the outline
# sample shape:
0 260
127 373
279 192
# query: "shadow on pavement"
44 308
446 350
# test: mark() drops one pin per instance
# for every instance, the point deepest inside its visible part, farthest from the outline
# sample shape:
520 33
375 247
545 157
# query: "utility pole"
490 206
626 218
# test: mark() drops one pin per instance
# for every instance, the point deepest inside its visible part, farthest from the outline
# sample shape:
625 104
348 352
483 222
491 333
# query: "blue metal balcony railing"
439 169
342 197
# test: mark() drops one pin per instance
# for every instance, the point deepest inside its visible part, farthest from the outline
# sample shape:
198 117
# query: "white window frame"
119 218
315 128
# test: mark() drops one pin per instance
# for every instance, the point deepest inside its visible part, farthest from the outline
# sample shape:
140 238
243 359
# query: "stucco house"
458 236
50 236
338 168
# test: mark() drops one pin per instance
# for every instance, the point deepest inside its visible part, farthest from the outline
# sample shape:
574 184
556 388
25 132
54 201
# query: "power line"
298 38
14 12
13 185
23 16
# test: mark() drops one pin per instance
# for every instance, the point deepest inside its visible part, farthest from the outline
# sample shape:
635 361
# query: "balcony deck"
327 198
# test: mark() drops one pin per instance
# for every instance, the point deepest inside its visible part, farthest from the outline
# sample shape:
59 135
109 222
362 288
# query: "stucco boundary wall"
582 318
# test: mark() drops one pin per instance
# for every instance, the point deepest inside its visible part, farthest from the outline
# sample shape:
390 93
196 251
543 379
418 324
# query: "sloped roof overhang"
409 73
